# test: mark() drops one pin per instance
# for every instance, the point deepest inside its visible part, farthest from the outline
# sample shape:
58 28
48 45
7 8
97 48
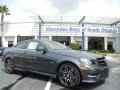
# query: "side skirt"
40 73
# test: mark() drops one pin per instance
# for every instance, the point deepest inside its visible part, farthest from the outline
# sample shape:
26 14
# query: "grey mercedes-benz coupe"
57 61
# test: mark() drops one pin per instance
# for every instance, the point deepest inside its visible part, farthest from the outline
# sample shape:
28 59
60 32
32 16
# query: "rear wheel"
9 65
69 75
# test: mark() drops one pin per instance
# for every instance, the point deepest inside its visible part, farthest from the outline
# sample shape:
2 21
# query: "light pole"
18 38
83 38
39 30
40 25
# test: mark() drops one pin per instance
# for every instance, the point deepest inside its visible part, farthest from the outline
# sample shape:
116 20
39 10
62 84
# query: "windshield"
56 45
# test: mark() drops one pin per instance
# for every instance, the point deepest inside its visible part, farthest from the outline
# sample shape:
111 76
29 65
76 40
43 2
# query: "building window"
10 43
22 38
62 39
110 45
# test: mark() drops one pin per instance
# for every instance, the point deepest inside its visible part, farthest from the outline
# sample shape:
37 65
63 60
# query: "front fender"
74 61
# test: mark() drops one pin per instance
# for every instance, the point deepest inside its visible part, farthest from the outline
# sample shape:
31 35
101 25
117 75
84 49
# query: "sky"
95 8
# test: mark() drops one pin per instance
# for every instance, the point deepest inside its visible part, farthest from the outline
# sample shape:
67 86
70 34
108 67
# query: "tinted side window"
42 45
21 45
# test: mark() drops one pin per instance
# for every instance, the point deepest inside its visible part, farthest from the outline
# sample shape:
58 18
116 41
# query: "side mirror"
41 49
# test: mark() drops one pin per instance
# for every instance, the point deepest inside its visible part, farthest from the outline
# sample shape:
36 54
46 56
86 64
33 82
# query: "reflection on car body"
56 60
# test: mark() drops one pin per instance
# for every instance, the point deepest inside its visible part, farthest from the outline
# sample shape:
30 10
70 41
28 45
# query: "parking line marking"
48 85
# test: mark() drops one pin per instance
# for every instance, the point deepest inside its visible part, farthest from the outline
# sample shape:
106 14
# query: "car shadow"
83 86
32 75
25 74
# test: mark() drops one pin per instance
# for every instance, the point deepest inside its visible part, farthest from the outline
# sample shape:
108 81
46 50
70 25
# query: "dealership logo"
102 30
53 29
63 29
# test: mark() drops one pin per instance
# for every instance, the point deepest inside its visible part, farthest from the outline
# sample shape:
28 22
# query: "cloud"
31 7
41 7
104 8
116 2
65 6
97 8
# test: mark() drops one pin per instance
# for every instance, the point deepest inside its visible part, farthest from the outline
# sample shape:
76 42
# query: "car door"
19 54
39 60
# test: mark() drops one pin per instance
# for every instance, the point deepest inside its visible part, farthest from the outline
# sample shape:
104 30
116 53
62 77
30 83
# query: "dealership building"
90 32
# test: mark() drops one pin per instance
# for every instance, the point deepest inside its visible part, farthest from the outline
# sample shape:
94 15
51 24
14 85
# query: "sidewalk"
114 55
116 70
113 58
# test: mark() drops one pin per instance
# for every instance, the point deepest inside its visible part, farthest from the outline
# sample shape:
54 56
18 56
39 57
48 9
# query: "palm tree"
3 11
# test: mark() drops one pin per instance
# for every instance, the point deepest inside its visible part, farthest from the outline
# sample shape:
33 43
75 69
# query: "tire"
9 66
69 75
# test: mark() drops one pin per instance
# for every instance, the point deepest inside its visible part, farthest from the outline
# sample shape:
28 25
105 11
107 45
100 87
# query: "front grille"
101 61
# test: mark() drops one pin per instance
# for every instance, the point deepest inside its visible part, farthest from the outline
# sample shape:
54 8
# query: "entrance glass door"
62 39
96 43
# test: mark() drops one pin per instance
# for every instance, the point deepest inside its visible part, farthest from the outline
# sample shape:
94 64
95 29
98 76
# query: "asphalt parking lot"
30 81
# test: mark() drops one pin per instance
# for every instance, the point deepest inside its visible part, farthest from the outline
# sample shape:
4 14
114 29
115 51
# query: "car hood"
77 54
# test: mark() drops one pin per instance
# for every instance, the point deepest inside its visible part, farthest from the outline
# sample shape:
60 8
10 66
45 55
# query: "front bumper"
95 74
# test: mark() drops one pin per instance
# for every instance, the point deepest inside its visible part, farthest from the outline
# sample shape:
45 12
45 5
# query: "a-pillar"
86 43
117 49
105 43
3 41
36 37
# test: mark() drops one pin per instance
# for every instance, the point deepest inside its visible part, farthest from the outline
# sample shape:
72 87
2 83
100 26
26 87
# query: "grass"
102 52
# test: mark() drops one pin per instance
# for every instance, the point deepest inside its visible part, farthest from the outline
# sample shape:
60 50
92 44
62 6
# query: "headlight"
86 61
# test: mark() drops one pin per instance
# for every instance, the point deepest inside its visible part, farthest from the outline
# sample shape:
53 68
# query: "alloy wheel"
9 65
69 76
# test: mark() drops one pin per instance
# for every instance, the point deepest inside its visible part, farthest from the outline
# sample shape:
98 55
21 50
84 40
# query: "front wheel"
9 66
69 75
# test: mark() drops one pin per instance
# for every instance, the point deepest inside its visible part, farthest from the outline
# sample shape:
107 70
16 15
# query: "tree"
4 10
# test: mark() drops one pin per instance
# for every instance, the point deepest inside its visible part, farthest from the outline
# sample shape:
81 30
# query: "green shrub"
112 50
103 51
74 46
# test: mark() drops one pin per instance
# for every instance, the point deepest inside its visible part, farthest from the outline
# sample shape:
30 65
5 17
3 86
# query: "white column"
105 43
3 41
117 45
50 38
72 39
86 43
15 40
35 37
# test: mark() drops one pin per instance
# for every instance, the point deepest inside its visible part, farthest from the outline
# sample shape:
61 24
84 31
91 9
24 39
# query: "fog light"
83 68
